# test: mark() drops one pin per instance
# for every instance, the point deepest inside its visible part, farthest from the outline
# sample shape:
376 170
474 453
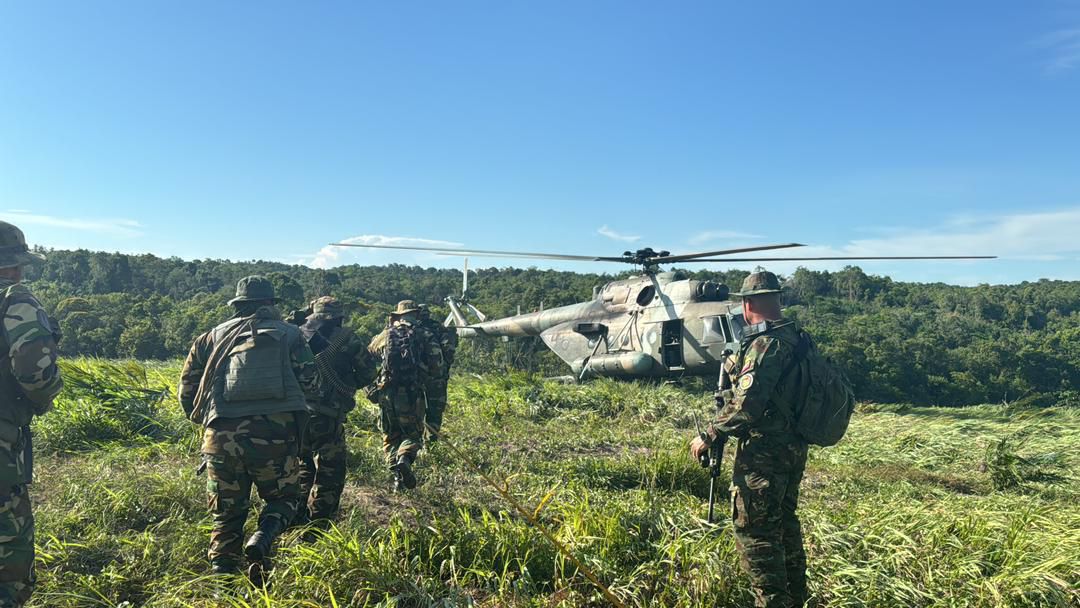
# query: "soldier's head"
14 253
327 308
423 312
760 295
406 310
254 291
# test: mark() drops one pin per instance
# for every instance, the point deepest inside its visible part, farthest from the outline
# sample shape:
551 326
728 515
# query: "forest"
899 342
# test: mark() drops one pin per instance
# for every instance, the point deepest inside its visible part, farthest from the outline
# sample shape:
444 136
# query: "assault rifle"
715 456
711 460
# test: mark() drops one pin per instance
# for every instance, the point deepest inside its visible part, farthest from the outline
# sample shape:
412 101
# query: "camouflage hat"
327 307
424 311
13 249
404 307
759 283
254 289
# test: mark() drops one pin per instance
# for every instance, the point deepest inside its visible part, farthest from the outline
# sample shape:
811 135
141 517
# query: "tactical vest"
256 375
334 363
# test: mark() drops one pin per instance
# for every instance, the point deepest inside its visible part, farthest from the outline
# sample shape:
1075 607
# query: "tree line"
922 343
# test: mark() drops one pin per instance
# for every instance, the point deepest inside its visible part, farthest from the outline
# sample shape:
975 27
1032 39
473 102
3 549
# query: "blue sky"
265 130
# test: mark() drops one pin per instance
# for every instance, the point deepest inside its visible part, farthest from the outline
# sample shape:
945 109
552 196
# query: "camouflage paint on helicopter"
651 325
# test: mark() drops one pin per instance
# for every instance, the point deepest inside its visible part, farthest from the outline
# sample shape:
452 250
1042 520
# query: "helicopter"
653 325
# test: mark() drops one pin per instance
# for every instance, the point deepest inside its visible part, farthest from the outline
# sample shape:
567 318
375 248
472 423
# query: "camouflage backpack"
822 415
401 357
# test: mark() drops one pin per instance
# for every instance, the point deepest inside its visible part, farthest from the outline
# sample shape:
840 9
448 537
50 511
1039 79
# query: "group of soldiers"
272 397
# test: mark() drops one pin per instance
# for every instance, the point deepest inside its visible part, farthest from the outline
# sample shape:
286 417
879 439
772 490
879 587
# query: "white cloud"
709 236
1063 47
114 226
611 234
1020 240
331 256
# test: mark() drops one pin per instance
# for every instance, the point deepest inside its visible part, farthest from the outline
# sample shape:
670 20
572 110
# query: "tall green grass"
916 507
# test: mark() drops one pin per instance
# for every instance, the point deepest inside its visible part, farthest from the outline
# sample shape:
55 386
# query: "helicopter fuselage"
652 325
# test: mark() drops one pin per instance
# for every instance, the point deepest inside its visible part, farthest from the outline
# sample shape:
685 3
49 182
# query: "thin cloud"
616 236
709 236
330 256
1023 238
1063 49
114 226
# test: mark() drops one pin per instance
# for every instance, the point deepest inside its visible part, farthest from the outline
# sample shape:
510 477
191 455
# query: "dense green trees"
906 342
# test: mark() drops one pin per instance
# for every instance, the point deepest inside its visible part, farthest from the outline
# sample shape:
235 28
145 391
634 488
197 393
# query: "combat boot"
223 567
404 478
258 546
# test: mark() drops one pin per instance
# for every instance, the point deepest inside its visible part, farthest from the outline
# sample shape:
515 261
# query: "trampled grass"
916 507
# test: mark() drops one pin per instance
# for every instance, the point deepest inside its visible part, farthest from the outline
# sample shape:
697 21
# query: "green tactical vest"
256 375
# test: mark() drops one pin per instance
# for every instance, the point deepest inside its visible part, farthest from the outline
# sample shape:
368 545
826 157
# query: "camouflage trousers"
401 419
322 466
765 484
239 453
16 548
436 403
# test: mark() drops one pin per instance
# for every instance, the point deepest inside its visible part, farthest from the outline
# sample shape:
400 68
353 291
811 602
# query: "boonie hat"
254 289
13 248
759 283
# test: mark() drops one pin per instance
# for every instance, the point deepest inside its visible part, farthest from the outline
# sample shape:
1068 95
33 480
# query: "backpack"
822 415
401 357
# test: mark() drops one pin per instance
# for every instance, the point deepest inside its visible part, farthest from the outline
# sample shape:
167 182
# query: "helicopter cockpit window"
738 327
716 330
646 295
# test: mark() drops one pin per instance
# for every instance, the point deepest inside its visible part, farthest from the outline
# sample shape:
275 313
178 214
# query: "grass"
916 507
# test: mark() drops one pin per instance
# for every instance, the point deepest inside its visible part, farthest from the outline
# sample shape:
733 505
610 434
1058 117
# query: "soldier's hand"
698 448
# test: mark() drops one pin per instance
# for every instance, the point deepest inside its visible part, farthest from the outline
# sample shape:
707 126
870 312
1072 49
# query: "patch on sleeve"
745 382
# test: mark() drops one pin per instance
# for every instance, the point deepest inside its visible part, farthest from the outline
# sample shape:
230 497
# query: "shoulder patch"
745 382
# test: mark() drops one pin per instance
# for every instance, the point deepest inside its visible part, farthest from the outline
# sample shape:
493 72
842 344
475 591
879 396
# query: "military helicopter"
653 325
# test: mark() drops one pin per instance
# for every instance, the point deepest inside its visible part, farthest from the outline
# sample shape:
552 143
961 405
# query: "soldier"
246 381
29 381
410 358
343 364
436 389
770 457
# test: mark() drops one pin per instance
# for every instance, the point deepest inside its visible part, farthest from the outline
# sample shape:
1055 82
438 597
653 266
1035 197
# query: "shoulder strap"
801 350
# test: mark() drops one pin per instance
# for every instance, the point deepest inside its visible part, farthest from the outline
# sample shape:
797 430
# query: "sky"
266 130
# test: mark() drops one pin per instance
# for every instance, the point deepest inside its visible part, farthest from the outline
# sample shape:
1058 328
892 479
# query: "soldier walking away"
29 381
436 388
246 382
409 358
343 365
770 456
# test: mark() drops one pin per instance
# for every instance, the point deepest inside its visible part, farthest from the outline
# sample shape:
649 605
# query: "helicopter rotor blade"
489 253
863 257
684 257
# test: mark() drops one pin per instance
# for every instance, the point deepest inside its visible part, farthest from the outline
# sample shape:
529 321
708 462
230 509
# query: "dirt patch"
377 505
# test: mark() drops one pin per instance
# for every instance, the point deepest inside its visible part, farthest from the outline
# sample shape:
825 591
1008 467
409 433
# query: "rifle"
711 460
715 456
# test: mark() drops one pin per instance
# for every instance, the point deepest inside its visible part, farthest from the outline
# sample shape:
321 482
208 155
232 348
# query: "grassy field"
977 506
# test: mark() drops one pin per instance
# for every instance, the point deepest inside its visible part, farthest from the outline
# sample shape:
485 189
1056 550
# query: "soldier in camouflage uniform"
29 381
436 388
247 382
403 407
344 365
770 458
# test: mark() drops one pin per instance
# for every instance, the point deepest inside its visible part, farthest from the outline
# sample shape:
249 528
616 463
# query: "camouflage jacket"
431 361
447 339
758 404
29 377
341 372
195 371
